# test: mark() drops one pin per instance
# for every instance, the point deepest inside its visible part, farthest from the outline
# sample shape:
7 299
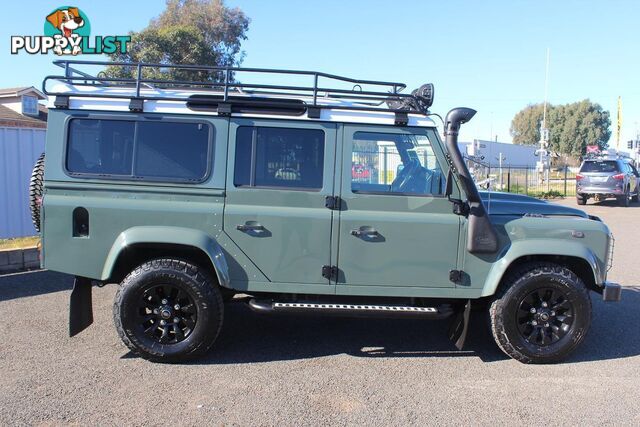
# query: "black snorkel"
481 235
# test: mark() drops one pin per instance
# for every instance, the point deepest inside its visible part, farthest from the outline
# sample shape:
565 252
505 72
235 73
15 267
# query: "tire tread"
204 281
526 272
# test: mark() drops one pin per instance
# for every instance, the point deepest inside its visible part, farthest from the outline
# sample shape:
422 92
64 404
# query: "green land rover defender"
322 195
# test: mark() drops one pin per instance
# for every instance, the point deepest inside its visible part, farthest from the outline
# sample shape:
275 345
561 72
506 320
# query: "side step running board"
366 310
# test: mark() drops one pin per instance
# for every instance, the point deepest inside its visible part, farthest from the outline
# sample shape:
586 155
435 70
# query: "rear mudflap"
80 306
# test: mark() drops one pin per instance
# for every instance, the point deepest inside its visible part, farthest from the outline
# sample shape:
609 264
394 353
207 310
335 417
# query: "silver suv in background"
603 178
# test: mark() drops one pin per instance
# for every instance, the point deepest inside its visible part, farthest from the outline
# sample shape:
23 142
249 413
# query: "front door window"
395 164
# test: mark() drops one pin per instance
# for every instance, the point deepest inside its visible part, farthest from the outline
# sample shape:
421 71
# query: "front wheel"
541 314
168 310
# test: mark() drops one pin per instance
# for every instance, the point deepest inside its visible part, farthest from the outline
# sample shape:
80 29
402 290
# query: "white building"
490 153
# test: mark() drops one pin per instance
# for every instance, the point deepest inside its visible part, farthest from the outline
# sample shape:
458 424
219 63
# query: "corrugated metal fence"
19 150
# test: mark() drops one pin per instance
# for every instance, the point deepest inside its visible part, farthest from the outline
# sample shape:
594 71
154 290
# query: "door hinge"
455 276
460 208
332 202
330 272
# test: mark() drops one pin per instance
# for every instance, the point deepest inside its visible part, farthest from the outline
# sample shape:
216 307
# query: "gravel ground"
315 371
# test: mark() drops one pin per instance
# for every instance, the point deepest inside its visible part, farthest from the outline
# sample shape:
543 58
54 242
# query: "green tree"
525 126
571 126
188 32
574 126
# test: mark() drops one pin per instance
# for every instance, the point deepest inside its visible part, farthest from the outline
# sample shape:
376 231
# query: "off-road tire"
624 200
582 200
189 278
36 186
503 312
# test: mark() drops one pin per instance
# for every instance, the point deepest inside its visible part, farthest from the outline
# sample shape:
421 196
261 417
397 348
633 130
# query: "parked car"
360 172
185 196
605 177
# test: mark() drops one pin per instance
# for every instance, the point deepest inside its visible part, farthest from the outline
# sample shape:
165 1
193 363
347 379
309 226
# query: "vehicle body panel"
296 239
115 206
424 238
535 237
404 253
175 235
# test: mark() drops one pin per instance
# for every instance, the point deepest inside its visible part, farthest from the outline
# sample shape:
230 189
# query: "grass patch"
19 243
553 194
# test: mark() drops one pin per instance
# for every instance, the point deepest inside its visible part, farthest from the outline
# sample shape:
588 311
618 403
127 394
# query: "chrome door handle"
250 227
365 231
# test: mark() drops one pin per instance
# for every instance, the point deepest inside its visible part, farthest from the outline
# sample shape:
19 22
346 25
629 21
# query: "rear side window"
139 150
604 166
100 147
172 150
279 157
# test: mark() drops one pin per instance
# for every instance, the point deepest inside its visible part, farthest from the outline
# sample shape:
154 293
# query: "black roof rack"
217 89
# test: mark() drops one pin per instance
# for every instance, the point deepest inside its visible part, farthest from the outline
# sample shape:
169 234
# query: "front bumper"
611 292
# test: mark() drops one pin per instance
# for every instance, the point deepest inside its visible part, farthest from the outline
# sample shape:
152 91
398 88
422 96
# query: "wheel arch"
136 245
577 258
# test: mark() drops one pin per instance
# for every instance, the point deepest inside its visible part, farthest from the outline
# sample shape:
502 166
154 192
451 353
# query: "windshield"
603 166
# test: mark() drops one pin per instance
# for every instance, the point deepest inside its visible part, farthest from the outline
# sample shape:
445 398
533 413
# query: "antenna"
546 92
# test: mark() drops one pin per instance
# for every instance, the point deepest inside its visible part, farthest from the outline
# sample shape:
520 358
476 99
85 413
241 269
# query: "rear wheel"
168 310
624 200
541 314
582 200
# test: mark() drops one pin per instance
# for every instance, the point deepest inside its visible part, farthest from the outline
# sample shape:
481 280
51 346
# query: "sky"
487 55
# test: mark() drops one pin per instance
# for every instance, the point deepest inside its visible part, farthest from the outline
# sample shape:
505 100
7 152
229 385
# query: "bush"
553 194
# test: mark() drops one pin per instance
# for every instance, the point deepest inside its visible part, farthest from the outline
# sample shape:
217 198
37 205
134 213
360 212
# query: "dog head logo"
67 31
69 23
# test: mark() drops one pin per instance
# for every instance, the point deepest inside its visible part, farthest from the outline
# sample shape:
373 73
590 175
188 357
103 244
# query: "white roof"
334 114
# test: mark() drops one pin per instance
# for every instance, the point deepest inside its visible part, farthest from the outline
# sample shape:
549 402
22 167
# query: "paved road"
292 371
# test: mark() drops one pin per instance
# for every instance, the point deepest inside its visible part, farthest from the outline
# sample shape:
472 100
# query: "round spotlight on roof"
424 96
421 99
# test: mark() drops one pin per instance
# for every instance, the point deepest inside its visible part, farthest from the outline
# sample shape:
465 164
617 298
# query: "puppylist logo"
67 31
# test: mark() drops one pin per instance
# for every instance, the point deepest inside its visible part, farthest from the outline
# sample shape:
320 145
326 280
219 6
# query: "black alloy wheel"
167 313
545 316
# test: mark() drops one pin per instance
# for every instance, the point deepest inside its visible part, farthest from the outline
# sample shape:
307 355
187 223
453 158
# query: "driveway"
316 371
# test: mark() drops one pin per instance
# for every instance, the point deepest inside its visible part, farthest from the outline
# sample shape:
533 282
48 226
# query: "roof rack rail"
218 89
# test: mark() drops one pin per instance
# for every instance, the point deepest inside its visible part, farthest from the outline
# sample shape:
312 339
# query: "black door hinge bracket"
455 276
330 272
332 202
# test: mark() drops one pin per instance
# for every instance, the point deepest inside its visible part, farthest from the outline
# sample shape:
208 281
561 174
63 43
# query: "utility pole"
543 162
